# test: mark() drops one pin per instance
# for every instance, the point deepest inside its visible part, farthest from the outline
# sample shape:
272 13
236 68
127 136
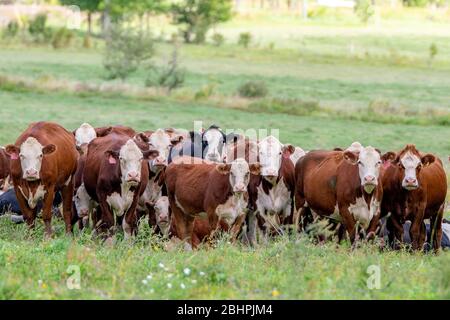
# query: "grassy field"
322 68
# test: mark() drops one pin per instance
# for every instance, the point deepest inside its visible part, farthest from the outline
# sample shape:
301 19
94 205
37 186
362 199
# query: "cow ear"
338 149
150 154
428 159
288 149
389 156
351 157
103 131
48 149
223 168
232 138
141 137
12 151
176 140
255 168
112 156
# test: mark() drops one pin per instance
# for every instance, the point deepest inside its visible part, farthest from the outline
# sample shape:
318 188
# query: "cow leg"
107 219
29 214
252 225
395 229
416 226
237 227
184 223
129 222
349 223
436 229
47 211
67 196
373 227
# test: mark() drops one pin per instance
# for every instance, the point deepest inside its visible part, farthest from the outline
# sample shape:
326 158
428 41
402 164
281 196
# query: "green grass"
311 65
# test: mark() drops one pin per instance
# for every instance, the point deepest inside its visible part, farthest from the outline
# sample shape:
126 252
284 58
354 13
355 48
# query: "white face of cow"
271 151
410 162
82 201
239 173
84 134
369 163
31 155
131 157
162 214
161 142
214 138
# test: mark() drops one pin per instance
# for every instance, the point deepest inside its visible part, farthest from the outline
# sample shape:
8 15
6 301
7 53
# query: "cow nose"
369 179
31 172
133 175
163 218
160 160
239 188
83 212
411 180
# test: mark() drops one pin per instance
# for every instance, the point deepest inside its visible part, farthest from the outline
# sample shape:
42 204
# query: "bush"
170 77
126 50
253 89
364 10
433 51
218 39
205 92
38 30
12 29
62 38
245 38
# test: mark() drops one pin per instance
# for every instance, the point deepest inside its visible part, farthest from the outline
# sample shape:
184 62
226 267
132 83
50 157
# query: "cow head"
161 141
213 140
410 162
239 173
162 213
130 158
270 153
30 153
84 134
368 160
82 201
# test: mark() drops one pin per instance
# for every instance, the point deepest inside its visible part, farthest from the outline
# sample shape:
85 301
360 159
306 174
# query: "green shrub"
126 50
433 51
12 29
415 3
218 39
37 28
170 77
245 38
364 10
62 38
253 89
289 106
205 92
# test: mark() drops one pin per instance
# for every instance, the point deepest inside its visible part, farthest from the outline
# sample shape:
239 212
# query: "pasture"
343 82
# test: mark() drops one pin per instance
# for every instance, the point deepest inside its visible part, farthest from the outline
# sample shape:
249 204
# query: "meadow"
345 78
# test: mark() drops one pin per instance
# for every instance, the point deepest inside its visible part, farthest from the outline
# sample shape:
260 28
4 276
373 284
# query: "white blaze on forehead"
85 134
239 173
369 165
410 162
270 153
214 138
130 159
160 140
31 155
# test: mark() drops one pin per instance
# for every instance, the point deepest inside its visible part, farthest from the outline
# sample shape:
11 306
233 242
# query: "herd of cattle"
190 185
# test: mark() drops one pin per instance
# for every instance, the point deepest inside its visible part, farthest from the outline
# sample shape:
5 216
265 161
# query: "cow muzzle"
83 213
239 189
410 183
160 162
370 183
31 175
133 178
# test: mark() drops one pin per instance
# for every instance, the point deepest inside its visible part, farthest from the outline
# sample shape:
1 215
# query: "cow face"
162 213
82 201
130 158
84 134
213 140
270 153
161 142
369 164
410 163
239 173
31 154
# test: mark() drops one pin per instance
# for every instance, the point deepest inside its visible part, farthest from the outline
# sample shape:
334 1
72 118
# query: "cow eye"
359 162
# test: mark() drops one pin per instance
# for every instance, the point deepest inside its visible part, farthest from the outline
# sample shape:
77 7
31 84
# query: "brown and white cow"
342 184
43 161
220 190
4 171
113 177
415 187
